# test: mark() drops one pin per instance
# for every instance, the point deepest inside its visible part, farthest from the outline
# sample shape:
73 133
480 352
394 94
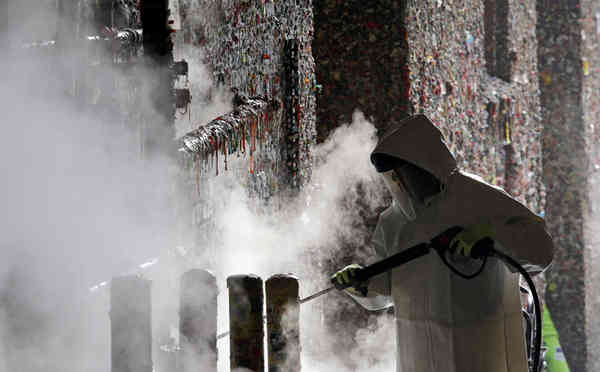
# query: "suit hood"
418 141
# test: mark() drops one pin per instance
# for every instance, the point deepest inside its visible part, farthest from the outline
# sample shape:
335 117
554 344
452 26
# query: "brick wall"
393 58
258 49
244 44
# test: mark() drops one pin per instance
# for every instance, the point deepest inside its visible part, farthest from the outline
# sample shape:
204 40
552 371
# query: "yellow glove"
463 242
345 277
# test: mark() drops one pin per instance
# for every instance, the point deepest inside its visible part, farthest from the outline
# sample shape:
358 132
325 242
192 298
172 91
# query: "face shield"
412 188
401 198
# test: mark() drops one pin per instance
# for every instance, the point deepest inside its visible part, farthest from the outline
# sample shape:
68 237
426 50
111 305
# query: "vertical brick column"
246 333
158 55
198 321
590 90
568 63
283 323
130 324
292 112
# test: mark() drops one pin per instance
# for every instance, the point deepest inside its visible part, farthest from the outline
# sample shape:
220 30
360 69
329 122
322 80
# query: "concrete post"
283 316
130 320
198 321
246 322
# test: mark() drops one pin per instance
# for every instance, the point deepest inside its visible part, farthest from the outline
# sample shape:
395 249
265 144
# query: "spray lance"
483 249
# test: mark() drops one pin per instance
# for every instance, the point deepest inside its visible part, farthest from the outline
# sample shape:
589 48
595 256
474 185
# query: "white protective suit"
444 322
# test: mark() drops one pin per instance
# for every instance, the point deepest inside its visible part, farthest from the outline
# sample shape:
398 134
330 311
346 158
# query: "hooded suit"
444 322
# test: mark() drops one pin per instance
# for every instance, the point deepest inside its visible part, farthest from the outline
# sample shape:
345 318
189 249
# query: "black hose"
482 250
536 302
457 272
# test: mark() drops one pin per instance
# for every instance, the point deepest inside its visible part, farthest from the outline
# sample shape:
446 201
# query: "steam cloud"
79 208
316 224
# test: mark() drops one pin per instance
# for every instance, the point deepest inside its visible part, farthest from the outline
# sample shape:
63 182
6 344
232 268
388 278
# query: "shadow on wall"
360 51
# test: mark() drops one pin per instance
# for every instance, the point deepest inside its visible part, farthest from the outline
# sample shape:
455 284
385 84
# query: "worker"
443 321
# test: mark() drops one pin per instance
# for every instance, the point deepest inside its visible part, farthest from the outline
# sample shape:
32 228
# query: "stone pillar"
283 323
158 56
130 321
292 113
567 33
590 91
246 333
198 321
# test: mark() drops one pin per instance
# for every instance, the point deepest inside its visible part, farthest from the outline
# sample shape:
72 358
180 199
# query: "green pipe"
555 358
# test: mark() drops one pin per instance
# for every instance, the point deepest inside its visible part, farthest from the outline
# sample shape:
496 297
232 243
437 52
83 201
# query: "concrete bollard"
198 321
246 322
283 323
130 324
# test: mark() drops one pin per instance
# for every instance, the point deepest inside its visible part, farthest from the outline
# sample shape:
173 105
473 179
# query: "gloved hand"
344 277
464 241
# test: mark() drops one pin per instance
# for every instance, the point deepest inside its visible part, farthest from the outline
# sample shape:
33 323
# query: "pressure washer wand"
315 295
380 267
